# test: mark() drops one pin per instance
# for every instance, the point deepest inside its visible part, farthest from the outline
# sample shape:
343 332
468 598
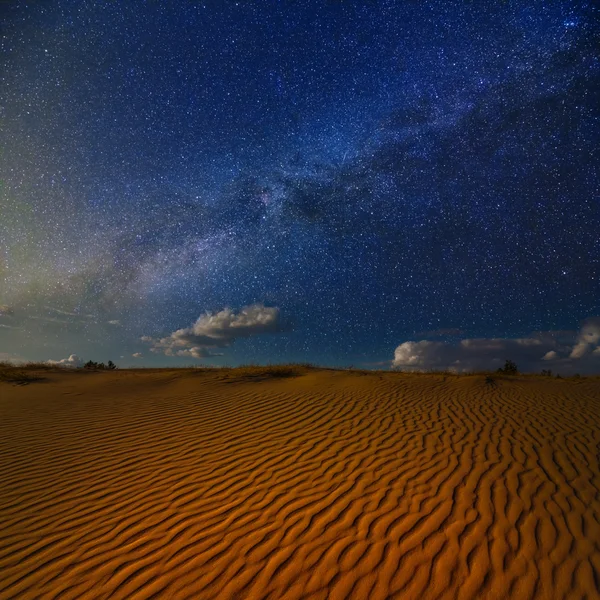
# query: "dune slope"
328 485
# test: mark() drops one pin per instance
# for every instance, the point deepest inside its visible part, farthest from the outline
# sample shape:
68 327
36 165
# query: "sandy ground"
329 485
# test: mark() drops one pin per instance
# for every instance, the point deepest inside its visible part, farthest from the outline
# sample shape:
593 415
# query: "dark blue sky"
371 173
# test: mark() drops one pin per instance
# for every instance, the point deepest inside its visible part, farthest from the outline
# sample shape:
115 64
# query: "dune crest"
327 485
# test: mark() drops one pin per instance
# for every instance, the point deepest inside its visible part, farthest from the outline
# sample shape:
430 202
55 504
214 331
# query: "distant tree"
547 372
94 366
510 368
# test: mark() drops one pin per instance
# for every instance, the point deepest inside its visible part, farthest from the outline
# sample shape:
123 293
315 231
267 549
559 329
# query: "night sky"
368 183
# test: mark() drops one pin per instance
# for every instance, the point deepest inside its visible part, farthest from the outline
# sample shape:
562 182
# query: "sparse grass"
23 373
10 373
42 366
26 372
260 372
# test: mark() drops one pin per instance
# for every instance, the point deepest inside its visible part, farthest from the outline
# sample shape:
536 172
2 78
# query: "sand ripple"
330 485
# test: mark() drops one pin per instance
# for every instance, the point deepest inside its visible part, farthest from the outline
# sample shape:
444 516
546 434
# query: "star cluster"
374 170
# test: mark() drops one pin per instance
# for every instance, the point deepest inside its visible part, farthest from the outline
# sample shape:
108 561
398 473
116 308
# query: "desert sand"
329 484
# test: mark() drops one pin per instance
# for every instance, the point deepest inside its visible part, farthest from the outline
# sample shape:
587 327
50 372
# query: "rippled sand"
328 485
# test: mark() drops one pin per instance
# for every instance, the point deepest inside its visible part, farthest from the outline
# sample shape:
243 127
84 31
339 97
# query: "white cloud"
197 352
588 338
72 361
475 354
137 355
217 330
466 355
11 358
115 322
423 354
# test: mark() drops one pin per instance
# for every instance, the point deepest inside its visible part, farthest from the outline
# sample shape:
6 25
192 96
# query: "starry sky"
368 183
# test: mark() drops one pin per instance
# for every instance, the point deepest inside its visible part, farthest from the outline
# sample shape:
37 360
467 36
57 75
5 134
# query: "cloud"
197 352
137 355
72 361
115 322
473 354
11 358
588 338
217 330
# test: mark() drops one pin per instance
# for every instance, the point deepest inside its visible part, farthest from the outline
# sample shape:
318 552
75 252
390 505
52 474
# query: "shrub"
510 368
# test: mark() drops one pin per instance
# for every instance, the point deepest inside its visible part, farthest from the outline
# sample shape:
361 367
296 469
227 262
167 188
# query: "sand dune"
329 485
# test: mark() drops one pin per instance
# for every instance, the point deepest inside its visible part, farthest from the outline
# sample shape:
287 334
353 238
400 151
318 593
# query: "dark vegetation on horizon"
21 374
90 365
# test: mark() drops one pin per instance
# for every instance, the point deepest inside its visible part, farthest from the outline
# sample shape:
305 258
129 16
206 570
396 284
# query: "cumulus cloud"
588 338
72 361
473 354
137 355
217 330
423 354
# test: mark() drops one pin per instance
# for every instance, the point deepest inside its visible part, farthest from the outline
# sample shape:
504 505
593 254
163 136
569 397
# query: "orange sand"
164 484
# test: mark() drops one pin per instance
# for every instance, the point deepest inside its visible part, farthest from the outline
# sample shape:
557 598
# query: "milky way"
378 172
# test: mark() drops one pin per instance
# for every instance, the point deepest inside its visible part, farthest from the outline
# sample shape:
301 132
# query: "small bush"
510 368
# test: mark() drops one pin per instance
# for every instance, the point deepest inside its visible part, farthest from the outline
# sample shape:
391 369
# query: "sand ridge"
329 485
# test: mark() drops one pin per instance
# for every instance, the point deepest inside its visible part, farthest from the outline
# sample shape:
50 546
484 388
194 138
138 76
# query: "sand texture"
330 485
